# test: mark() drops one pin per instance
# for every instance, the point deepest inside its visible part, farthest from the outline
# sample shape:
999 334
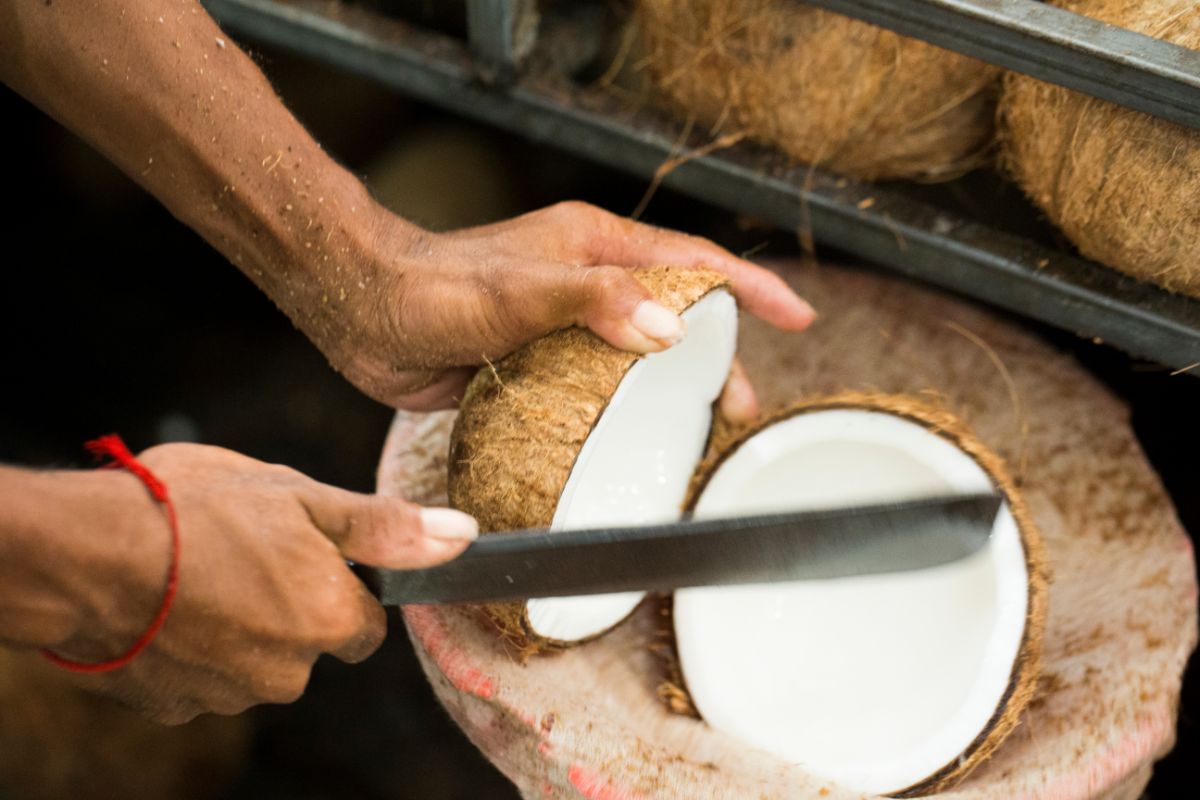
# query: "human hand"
405 314
442 304
264 588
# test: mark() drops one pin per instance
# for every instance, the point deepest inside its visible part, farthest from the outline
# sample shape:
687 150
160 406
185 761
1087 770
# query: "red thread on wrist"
112 447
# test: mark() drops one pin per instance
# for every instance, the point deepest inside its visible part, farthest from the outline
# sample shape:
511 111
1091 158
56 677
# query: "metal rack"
515 71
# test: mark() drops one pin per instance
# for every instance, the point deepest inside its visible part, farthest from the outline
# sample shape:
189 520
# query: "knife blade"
805 545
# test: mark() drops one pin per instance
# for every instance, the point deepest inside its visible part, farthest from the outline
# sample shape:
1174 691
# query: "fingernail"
446 523
657 322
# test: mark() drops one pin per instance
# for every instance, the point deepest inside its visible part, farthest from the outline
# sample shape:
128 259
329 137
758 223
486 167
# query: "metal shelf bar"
501 33
884 224
1052 44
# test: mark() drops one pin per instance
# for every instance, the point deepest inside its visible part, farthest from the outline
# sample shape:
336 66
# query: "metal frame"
1058 46
881 223
502 32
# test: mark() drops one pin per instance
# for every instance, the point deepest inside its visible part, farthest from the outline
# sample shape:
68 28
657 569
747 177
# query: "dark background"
114 317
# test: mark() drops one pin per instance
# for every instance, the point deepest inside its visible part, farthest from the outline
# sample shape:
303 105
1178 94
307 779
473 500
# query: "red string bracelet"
112 447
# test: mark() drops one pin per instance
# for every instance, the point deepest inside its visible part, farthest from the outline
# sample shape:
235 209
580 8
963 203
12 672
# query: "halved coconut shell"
523 433
949 630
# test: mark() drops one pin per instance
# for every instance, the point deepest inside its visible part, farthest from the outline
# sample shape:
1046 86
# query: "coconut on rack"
823 88
1124 186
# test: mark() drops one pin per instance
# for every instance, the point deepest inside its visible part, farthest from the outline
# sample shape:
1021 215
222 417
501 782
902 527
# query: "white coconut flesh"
873 682
635 466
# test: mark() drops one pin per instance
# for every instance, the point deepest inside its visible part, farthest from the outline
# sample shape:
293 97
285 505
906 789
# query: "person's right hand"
264 587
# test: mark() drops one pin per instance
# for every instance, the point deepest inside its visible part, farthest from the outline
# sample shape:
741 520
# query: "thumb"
387 531
616 307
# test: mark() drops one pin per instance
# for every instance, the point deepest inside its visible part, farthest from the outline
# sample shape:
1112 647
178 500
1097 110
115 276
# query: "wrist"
84 563
347 292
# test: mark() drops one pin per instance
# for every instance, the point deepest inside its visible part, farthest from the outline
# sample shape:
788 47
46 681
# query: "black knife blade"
806 545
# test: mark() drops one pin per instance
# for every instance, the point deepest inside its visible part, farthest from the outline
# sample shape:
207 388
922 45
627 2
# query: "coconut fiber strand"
824 88
1122 185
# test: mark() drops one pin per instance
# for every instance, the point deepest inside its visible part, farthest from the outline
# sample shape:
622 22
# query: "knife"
805 545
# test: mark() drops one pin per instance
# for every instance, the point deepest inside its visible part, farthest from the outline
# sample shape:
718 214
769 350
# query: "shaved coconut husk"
57 740
824 88
1122 597
1009 697
524 423
1124 186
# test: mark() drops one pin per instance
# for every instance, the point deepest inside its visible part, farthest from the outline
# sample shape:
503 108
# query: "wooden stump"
1122 622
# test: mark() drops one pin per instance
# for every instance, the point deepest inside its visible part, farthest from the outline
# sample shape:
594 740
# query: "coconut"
824 88
588 722
569 432
962 639
1122 185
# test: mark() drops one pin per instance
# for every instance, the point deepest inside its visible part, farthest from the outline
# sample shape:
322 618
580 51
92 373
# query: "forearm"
63 537
158 88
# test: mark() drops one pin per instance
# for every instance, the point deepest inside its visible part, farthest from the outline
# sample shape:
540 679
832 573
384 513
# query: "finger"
387 531
610 302
738 402
175 715
760 291
369 635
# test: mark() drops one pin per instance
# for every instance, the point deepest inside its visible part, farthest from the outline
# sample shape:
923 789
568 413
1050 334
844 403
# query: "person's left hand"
443 303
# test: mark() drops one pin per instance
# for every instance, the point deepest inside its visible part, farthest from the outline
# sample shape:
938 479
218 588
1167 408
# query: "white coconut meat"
874 682
635 466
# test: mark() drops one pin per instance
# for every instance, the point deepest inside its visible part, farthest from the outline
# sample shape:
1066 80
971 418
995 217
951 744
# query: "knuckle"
340 618
384 521
390 514
175 715
573 210
281 475
230 706
372 519
289 689
604 282
162 454
584 229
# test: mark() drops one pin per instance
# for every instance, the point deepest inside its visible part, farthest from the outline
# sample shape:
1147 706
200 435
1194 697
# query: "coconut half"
887 684
569 432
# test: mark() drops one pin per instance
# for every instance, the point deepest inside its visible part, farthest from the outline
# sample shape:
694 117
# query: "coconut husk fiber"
587 722
1122 185
58 741
823 88
525 419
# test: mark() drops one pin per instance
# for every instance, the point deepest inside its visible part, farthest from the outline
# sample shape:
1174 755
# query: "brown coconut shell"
1122 185
823 88
1122 595
1023 679
524 420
